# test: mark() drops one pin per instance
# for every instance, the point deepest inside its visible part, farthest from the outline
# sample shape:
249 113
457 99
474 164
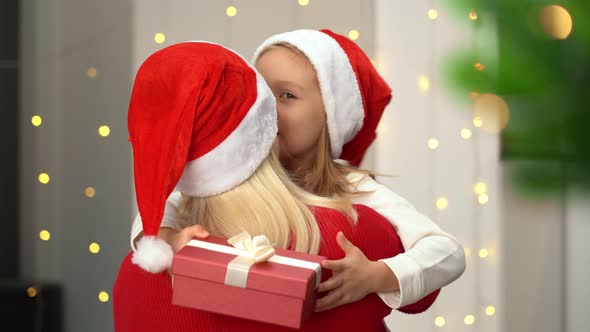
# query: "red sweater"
142 301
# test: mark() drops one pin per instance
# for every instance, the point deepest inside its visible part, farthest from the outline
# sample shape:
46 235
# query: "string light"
467 251
480 188
103 296
466 133
483 253
231 11
482 199
442 203
556 21
44 235
91 72
490 310
159 38
493 112
32 291
469 320
423 83
424 86
94 248
90 192
433 14
440 321
432 143
303 3
36 120
353 34
104 131
44 178
477 122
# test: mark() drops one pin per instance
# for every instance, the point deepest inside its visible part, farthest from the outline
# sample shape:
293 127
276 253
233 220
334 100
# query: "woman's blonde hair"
267 203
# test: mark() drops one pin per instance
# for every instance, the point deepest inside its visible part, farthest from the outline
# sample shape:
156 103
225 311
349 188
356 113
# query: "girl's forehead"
285 60
287 53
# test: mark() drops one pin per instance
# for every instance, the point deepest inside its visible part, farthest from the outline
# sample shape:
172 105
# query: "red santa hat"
200 119
354 94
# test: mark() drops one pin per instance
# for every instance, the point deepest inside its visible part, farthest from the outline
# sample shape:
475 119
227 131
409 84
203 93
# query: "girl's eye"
287 95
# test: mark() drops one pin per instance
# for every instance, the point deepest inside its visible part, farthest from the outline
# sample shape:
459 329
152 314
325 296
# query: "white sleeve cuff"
408 274
137 229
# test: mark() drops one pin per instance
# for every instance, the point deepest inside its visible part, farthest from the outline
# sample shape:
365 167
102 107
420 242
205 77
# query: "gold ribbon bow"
252 251
258 248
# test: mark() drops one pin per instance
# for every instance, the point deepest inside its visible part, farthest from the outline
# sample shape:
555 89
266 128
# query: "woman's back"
143 301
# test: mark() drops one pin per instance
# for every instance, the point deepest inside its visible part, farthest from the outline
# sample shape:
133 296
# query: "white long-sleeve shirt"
432 257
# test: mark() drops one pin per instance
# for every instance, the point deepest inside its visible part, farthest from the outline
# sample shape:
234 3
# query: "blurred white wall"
577 287
534 261
546 259
409 45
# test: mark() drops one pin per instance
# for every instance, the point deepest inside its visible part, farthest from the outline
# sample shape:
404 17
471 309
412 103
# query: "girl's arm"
432 258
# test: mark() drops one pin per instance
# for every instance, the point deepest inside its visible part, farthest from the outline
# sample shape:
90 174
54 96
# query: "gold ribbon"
258 248
253 250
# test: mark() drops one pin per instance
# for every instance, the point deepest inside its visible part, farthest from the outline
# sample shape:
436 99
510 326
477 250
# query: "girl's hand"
354 277
177 240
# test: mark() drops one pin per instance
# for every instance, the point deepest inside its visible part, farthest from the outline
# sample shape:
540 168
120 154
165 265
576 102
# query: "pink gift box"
274 293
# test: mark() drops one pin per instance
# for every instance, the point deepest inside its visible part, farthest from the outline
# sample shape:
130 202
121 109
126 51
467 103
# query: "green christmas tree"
535 58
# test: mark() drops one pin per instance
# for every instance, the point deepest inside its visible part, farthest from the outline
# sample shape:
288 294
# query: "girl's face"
300 108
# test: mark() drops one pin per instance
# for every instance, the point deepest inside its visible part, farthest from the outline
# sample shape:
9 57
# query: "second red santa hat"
354 94
200 119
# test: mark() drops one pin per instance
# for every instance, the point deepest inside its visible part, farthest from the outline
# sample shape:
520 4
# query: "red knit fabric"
142 300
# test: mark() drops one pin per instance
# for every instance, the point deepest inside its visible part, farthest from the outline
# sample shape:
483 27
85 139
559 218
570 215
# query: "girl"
330 100
202 120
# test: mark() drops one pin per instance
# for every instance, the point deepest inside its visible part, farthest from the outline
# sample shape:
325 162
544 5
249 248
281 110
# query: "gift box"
246 278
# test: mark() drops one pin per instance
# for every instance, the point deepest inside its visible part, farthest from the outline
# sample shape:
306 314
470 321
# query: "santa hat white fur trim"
153 254
338 83
239 155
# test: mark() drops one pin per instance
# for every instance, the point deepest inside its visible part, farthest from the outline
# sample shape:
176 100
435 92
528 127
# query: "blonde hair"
267 203
325 177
